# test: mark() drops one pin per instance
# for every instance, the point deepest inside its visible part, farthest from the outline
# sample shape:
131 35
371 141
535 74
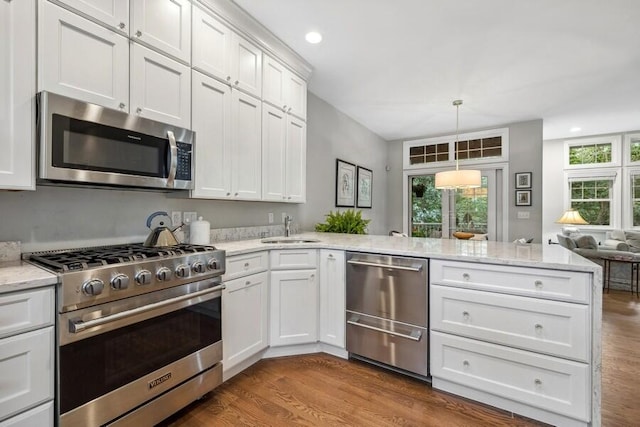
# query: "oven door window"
95 366
78 144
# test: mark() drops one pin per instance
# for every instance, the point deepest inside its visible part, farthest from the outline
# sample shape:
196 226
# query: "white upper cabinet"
221 53
283 156
160 87
80 59
246 158
164 25
211 45
113 13
212 123
284 89
17 90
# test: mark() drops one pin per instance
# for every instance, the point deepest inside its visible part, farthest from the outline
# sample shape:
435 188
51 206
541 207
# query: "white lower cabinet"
513 338
294 297
245 318
332 297
40 416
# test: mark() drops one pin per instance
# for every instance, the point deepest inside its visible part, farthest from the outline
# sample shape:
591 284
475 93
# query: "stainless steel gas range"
139 331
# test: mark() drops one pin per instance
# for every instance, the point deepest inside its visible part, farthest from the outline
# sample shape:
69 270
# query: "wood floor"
321 390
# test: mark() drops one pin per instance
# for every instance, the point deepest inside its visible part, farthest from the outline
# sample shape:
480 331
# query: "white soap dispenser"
199 232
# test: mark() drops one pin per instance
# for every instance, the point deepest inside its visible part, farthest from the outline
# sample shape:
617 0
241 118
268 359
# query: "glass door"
440 213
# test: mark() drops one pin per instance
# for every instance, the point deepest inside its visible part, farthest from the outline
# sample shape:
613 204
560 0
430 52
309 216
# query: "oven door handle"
173 159
415 335
77 325
391 266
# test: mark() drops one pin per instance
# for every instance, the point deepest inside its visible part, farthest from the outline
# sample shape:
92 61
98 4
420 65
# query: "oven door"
115 357
86 143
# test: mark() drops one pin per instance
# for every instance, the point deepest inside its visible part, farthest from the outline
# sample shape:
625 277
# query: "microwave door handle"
173 159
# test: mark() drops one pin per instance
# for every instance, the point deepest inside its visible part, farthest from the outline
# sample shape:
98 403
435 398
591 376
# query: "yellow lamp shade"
463 178
571 216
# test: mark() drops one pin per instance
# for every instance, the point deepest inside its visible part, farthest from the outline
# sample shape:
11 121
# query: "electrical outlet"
176 218
270 217
190 217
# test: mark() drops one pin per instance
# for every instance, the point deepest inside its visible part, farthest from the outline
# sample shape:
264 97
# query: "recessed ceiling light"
575 129
313 37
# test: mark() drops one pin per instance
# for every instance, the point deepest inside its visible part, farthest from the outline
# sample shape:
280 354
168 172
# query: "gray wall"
59 217
332 135
525 155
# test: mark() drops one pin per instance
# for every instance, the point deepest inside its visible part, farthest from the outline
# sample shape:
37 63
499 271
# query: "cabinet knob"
138 33
289 110
228 78
122 105
246 265
312 276
538 327
289 197
247 283
236 194
284 108
466 276
465 315
139 110
122 25
537 382
228 194
465 363
538 284
330 256
236 82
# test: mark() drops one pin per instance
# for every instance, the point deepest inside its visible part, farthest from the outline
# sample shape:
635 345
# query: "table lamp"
569 218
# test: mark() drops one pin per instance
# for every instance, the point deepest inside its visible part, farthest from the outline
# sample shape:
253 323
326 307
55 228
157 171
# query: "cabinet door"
26 370
212 123
246 160
114 13
80 59
164 25
212 45
294 307
246 66
296 161
273 83
17 91
160 87
25 311
332 297
245 318
274 134
296 95
40 416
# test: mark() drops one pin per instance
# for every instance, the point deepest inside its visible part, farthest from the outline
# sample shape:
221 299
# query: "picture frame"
523 197
523 179
365 187
345 184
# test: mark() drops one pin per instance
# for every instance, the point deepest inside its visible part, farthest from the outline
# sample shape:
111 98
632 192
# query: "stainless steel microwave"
86 144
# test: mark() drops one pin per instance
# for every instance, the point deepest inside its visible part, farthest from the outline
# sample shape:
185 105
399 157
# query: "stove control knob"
182 271
212 264
143 277
197 267
93 287
163 274
120 281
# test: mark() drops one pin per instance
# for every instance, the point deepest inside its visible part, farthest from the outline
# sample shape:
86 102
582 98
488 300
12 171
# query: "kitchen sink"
279 240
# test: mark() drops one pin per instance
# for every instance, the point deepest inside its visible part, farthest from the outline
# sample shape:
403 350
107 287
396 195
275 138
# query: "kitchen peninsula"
512 326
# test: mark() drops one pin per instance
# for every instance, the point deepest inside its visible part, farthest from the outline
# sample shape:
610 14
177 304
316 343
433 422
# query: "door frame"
501 218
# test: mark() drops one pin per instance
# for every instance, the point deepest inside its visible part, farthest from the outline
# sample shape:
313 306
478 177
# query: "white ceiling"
396 65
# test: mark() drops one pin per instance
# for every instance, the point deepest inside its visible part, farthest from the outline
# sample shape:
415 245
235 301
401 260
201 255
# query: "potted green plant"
349 221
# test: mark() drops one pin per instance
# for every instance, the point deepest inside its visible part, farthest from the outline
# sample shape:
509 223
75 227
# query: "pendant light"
458 178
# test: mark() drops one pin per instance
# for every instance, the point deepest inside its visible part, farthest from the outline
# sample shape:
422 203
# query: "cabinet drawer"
557 385
293 259
553 327
26 370
538 282
25 311
38 416
243 265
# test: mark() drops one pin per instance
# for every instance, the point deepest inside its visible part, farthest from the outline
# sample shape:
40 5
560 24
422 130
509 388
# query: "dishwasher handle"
415 268
415 335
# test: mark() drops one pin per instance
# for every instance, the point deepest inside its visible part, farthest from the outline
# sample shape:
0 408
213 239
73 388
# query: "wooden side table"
635 272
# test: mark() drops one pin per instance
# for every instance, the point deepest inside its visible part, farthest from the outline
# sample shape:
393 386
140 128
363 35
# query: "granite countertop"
20 275
532 255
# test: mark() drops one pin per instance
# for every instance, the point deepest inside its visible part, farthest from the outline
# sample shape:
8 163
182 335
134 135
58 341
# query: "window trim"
627 149
597 174
614 140
451 140
627 203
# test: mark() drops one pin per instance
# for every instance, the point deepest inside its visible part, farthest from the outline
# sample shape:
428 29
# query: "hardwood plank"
322 390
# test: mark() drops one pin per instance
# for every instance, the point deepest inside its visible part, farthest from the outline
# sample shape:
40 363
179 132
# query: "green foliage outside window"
590 154
635 196
426 204
593 200
635 151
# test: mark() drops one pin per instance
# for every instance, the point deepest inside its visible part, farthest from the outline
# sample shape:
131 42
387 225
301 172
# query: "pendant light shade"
458 179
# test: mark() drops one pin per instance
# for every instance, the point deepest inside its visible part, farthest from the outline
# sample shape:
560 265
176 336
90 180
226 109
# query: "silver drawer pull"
538 284
465 314
466 276
415 335
538 327
465 363
246 264
538 382
392 267
247 283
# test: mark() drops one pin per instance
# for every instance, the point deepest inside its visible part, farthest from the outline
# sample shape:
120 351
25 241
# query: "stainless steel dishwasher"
387 311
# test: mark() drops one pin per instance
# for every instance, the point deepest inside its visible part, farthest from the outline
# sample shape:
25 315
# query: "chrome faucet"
287 225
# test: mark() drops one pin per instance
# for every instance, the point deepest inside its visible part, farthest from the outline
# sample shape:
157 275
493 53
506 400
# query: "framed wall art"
523 179
523 197
365 187
345 184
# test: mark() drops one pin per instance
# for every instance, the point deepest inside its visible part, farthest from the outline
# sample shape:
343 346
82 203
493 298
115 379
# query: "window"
590 154
592 198
480 148
429 153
